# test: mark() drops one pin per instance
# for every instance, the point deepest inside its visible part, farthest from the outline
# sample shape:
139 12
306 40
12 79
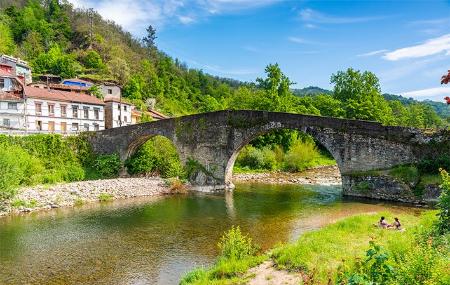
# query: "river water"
156 240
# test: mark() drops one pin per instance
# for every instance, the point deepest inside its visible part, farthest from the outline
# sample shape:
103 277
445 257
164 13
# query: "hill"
58 39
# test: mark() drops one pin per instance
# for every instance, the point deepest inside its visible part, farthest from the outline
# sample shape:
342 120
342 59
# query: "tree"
149 39
277 88
361 96
6 39
445 78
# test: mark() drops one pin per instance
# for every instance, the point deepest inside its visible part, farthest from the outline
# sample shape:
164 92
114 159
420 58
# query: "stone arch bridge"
209 144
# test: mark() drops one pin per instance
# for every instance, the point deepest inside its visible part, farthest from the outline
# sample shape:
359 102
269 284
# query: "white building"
63 112
12 103
117 113
20 67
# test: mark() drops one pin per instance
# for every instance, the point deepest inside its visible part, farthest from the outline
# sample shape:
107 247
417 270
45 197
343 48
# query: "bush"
255 158
301 156
156 155
108 165
407 174
17 167
443 224
235 245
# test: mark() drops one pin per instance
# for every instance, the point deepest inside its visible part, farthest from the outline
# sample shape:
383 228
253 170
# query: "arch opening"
282 149
154 155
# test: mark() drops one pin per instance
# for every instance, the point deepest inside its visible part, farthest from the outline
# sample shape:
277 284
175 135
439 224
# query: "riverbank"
323 175
335 253
44 197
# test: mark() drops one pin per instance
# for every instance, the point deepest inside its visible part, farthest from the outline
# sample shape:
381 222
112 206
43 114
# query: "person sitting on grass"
383 223
396 225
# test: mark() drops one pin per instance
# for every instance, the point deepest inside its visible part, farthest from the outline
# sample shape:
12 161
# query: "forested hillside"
55 38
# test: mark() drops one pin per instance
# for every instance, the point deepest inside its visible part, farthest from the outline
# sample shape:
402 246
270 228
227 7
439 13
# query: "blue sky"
405 43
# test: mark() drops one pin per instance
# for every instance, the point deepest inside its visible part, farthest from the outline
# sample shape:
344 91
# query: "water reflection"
154 241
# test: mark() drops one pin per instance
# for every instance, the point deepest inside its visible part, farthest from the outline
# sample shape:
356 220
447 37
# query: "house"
12 103
118 113
110 90
58 111
20 68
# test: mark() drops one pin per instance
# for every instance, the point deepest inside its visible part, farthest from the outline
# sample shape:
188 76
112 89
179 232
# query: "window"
2 83
125 108
97 113
38 107
39 125
51 110
51 126
118 107
63 111
86 112
96 127
63 127
75 127
75 111
12 106
86 127
109 91
118 118
125 119
6 122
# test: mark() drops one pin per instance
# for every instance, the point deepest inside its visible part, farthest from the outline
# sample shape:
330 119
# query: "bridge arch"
248 138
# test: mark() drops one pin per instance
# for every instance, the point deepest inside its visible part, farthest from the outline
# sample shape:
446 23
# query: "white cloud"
430 47
313 16
136 15
436 94
298 40
186 19
372 53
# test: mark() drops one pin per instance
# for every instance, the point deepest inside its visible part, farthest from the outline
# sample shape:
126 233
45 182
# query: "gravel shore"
325 175
75 193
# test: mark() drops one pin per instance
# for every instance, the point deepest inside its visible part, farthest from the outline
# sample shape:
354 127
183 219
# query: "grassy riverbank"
336 251
350 251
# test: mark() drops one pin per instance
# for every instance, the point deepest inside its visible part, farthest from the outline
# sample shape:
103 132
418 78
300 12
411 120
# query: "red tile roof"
9 96
58 95
157 115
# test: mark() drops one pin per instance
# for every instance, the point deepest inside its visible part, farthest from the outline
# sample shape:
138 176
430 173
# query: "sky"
405 43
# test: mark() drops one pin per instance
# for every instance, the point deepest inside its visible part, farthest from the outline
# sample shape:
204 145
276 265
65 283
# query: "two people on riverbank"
382 223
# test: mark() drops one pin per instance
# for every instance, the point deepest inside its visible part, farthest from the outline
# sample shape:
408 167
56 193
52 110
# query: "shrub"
255 158
235 245
17 167
108 165
407 174
105 197
301 156
156 155
443 224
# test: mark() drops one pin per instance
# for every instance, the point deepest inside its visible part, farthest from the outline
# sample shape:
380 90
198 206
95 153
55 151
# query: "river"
156 240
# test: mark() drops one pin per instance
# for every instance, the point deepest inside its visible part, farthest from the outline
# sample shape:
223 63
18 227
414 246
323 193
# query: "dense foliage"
158 155
42 159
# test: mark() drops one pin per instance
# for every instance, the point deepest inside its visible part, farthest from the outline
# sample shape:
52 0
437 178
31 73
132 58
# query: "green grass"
105 197
323 251
17 203
405 173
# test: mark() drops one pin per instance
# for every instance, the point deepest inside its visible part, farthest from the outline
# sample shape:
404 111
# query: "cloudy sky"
405 43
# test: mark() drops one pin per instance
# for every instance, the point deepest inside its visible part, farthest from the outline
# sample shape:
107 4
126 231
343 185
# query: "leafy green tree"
7 44
361 96
93 60
329 106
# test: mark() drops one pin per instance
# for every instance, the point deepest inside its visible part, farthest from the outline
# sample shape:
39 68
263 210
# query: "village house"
50 110
12 103
19 68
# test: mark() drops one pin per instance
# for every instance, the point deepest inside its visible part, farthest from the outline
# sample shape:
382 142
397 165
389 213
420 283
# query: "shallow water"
156 240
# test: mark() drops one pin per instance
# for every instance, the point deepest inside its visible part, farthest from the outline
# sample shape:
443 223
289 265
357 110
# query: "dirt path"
266 274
